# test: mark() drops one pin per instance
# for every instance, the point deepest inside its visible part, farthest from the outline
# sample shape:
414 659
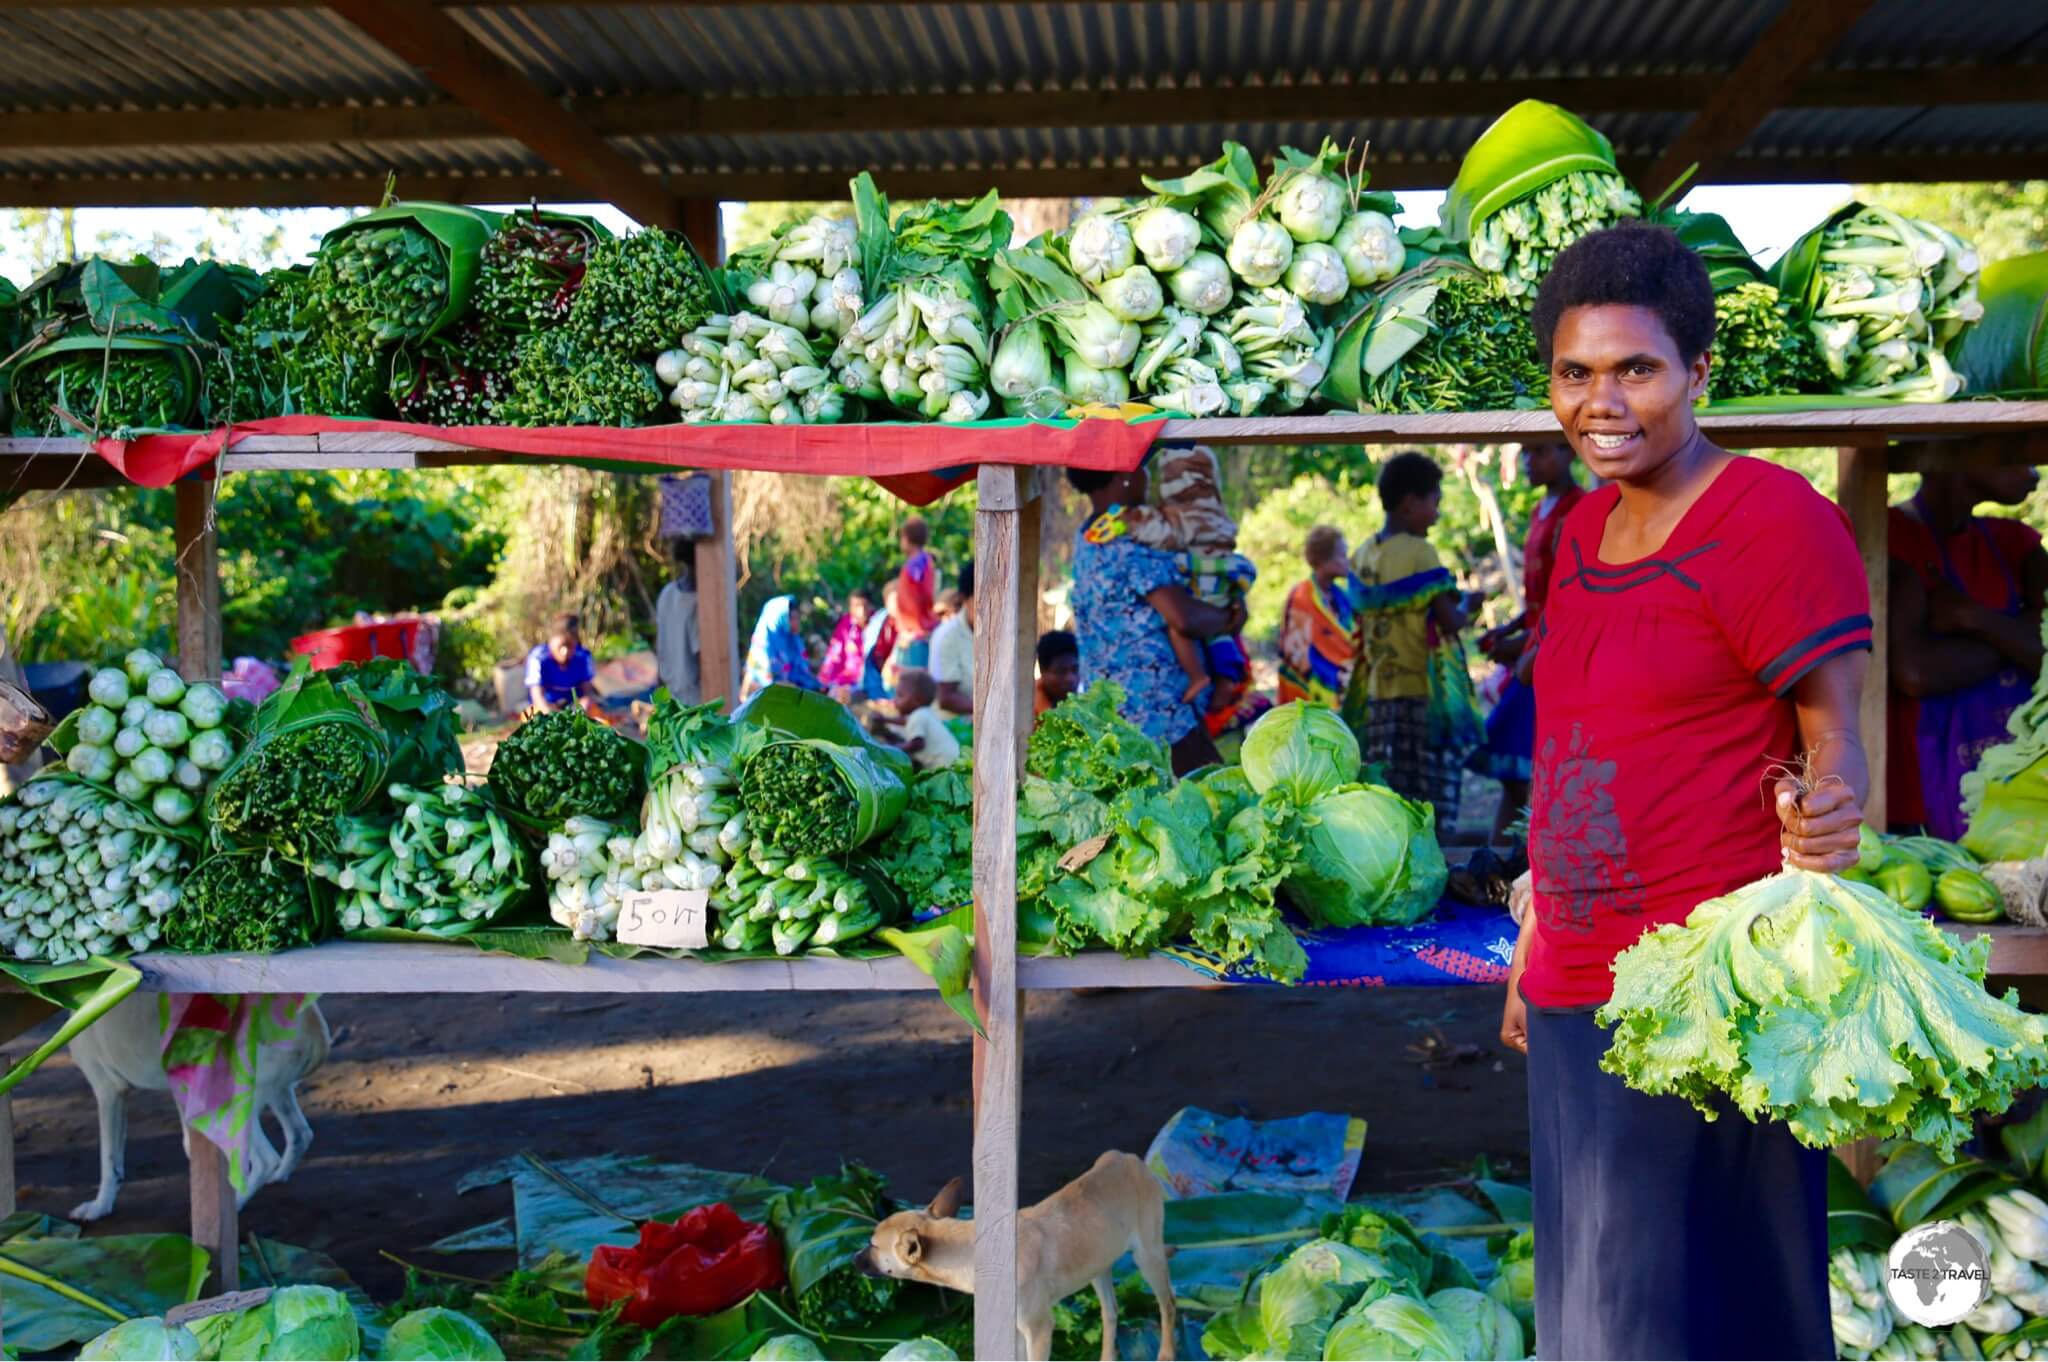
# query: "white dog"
122 1052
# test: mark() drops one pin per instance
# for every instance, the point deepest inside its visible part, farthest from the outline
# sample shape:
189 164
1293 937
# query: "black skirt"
1660 1234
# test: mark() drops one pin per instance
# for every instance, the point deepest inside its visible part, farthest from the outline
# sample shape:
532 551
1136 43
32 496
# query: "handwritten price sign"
667 918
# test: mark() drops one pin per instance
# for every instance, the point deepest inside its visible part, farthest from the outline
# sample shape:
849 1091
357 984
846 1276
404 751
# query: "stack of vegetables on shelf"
1229 290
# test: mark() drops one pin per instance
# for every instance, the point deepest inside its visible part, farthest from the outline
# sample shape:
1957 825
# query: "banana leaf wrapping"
2007 350
1526 148
532 265
119 345
1729 263
798 713
459 234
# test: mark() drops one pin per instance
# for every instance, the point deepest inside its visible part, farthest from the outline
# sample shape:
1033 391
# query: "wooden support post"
702 225
198 574
214 1215
6 1149
1860 488
1006 534
718 600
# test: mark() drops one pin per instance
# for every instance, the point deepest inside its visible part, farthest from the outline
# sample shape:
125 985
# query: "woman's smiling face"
1621 389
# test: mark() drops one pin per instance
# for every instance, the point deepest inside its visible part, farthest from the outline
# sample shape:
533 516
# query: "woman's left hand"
1818 831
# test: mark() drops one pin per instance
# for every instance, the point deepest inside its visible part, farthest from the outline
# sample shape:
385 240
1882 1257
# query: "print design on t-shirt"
1642 572
1583 853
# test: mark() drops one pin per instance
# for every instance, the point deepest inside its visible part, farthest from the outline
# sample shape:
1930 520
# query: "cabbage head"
147 1339
1303 750
1483 1328
789 1348
1296 1302
1515 1284
1385 1236
920 1350
1391 1326
297 1324
1368 858
440 1335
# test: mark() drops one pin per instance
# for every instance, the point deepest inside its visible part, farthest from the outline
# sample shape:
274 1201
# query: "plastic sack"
710 1260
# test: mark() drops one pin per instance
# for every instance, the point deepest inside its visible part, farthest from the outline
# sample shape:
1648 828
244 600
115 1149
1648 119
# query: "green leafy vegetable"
1388 1325
1514 1284
531 268
565 764
1290 1308
639 293
142 1340
438 1334
1758 348
559 379
824 1228
1819 1002
930 859
1480 1327
1084 741
297 1324
244 902
810 797
1368 857
1302 750
391 278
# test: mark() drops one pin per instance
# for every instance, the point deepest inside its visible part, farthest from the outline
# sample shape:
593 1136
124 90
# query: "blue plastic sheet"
1458 944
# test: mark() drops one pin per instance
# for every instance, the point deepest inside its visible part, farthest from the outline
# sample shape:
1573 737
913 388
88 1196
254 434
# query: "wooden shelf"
403 967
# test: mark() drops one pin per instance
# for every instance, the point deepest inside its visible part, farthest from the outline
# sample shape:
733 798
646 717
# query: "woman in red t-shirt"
1707 624
1966 594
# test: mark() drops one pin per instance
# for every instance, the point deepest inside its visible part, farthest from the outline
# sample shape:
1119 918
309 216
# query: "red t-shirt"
1989 558
1662 701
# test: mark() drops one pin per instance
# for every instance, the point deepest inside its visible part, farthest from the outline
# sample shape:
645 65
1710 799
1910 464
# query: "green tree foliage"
2001 218
1273 534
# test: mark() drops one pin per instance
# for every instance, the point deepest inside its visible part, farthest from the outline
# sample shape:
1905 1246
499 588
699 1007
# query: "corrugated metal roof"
80 59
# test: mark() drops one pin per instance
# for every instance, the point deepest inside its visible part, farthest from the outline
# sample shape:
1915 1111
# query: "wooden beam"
197 566
1006 520
1800 36
684 114
450 56
1860 490
718 600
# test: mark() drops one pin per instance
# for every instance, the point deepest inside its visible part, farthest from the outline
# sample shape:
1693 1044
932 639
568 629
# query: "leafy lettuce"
1084 741
1819 1002
929 855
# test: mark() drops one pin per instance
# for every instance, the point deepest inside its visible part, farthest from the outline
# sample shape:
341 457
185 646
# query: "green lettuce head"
142 1340
1368 858
1305 751
1300 1299
440 1335
1515 1286
789 1348
297 1324
1387 1237
920 1350
1481 1326
1394 1327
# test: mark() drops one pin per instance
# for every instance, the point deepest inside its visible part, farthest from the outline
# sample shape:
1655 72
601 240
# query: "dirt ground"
421 1090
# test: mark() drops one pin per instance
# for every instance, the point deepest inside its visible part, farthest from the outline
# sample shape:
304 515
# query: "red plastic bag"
710 1260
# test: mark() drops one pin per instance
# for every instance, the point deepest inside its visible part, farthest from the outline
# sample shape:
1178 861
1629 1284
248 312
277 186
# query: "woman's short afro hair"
1632 265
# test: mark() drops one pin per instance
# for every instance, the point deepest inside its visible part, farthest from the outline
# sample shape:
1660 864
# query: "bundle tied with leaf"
1819 1002
812 782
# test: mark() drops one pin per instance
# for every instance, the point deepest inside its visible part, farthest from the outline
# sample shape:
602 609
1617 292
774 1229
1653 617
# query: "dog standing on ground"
1067 1241
123 1052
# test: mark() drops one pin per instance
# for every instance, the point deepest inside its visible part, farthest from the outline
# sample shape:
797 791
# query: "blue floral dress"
1122 638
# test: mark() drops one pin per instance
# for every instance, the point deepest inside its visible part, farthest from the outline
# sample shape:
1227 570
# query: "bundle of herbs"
825 1227
391 278
244 902
1475 353
292 353
107 390
1759 349
446 862
565 765
559 379
640 294
815 797
461 377
531 268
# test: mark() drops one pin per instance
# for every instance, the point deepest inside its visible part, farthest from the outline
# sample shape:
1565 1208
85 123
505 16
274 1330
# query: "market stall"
465 106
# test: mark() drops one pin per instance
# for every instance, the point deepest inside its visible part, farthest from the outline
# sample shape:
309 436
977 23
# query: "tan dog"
1065 1242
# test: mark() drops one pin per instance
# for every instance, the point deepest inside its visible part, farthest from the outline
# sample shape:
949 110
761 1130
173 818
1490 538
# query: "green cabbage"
440 1335
297 1324
920 1350
1368 857
1391 1326
1819 1002
1387 1237
142 1340
788 1348
1294 1303
1304 750
1514 1284
1483 1328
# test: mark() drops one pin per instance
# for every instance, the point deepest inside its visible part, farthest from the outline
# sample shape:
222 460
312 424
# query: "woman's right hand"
1514 1013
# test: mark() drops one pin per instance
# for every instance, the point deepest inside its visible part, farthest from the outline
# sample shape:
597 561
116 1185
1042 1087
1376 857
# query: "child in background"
1059 670
1410 698
920 729
916 583
560 671
1190 520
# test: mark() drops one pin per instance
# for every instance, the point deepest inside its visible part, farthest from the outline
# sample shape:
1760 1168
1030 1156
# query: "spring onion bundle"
1819 1002
585 864
149 737
1883 295
244 902
446 863
564 764
1758 348
82 873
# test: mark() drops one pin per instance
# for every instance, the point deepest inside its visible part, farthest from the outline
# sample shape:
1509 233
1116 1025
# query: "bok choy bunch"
747 367
1518 242
83 873
788 902
445 863
149 737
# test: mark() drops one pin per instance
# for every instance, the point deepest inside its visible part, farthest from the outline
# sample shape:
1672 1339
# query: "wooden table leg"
6 1149
214 1222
